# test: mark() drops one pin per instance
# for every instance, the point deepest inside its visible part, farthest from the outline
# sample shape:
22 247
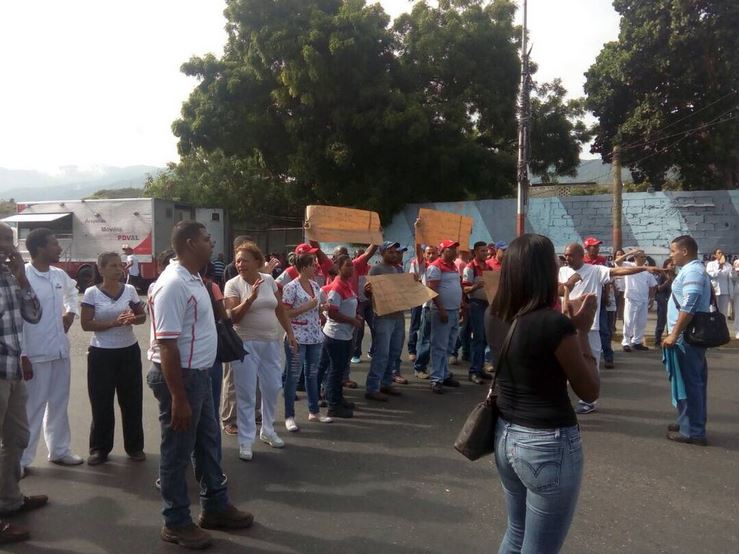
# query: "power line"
634 145
685 134
627 146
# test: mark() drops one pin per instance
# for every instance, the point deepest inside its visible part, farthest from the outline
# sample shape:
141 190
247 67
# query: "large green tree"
338 107
667 91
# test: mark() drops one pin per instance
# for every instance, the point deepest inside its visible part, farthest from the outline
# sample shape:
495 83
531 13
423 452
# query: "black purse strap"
502 358
713 302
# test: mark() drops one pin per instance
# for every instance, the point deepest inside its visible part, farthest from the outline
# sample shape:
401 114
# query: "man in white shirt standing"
720 272
46 349
580 278
183 348
639 296
133 270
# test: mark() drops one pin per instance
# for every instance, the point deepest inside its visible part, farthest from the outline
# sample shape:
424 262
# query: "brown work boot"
230 518
10 533
190 536
378 396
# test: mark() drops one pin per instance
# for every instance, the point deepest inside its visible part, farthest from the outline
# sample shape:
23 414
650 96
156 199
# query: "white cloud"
90 82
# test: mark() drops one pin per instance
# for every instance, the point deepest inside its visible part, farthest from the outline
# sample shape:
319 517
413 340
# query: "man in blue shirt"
692 293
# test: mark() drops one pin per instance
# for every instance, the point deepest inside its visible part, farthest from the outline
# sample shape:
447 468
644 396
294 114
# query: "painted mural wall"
650 220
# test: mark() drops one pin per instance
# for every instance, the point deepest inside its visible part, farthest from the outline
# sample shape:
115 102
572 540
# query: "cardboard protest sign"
394 293
491 280
344 225
435 226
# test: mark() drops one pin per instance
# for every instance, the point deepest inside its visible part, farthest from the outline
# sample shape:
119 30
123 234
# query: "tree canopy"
667 92
323 101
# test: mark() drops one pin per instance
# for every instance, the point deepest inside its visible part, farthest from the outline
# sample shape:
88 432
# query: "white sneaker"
320 418
290 425
68 460
245 452
272 439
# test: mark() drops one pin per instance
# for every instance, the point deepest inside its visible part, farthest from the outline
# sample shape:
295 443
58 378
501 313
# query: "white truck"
85 228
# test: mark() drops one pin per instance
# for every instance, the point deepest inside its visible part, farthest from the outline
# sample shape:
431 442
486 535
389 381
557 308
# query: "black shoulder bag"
706 329
230 345
477 437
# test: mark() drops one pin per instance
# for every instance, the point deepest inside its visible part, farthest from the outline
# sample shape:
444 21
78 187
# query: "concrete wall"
650 221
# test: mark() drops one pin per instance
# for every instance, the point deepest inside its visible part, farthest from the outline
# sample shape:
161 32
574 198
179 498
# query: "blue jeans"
443 339
388 341
414 328
306 358
423 347
216 382
605 333
692 412
476 323
540 471
337 353
198 445
463 340
364 309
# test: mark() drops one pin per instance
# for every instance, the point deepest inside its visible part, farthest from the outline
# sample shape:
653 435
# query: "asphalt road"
389 481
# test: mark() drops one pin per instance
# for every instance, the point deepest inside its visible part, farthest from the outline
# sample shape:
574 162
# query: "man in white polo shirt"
183 347
46 349
580 278
639 295
133 269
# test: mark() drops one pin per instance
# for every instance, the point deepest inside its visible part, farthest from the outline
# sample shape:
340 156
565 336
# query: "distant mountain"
71 183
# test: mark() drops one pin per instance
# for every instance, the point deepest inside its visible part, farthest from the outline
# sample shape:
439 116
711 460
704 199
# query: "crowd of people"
302 327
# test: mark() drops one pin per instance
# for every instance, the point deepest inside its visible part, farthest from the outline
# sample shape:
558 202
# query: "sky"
93 83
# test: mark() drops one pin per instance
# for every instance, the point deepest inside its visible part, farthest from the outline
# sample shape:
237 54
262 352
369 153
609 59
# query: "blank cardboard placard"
395 293
491 280
344 225
435 226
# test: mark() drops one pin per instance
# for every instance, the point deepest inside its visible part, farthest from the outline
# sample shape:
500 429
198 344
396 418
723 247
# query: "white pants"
736 314
48 396
595 346
635 322
264 361
723 301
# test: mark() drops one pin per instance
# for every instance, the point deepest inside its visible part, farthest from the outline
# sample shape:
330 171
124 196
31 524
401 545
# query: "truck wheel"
85 278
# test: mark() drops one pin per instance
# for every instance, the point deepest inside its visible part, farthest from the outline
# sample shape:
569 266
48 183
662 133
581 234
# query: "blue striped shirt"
692 288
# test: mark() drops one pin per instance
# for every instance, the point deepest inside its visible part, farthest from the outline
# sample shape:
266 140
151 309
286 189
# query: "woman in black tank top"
538 450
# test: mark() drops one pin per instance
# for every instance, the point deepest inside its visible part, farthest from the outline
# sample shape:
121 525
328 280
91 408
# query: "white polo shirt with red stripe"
473 275
445 280
180 308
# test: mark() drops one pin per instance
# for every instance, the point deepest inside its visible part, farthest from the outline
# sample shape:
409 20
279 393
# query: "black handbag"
477 437
230 345
706 329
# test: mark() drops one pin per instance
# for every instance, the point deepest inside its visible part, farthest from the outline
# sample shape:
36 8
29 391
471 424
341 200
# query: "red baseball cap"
591 241
448 244
305 248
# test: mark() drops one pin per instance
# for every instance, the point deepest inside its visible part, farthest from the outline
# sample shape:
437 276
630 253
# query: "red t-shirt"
494 264
598 260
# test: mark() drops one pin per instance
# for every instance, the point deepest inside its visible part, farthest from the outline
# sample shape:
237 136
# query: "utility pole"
524 113
618 187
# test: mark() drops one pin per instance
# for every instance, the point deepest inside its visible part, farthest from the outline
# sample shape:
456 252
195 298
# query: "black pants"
112 371
364 310
661 318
